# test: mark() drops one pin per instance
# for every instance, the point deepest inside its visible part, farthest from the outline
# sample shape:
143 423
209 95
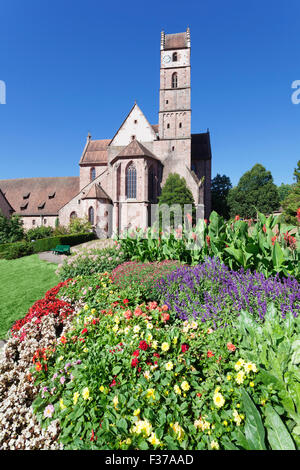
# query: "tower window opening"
92 174
131 182
180 125
167 101
174 56
174 80
168 126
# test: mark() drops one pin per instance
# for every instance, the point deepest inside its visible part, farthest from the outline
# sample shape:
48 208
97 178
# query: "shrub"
38 232
47 244
86 262
16 250
11 229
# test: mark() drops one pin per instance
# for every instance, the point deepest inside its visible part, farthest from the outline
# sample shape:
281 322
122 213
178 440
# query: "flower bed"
211 292
104 369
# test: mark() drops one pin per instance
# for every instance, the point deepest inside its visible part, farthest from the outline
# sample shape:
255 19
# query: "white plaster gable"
137 125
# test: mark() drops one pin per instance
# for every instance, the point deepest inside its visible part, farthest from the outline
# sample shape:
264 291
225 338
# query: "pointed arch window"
92 174
131 182
174 80
91 215
174 57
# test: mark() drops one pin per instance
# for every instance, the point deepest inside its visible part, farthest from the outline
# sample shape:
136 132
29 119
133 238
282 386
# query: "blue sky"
73 67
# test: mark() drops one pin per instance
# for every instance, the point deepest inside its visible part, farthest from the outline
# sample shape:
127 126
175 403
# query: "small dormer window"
174 57
26 196
51 195
41 205
132 137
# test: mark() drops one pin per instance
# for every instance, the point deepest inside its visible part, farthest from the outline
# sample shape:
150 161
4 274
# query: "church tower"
175 98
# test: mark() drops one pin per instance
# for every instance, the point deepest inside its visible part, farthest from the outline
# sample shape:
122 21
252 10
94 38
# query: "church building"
120 177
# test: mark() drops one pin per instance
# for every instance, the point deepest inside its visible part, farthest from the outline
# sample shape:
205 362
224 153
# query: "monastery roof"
39 196
134 149
96 192
2 196
95 152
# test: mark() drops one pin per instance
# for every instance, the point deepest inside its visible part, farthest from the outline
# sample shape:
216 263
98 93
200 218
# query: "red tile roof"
49 193
96 152
96 192
175 41
134 149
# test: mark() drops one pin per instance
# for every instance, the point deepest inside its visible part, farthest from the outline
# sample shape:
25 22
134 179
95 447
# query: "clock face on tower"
166 59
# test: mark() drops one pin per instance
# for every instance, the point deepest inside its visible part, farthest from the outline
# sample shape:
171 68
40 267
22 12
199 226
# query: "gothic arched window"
174 56
151 184
91 215
131 182
174 80
92 174
73 215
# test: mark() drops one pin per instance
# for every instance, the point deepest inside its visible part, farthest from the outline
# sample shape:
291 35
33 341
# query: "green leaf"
254 428
278 435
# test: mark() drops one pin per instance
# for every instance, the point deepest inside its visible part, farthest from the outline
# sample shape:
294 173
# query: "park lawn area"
22 282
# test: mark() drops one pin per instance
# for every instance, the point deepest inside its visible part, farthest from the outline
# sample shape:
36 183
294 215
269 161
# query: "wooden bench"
61 250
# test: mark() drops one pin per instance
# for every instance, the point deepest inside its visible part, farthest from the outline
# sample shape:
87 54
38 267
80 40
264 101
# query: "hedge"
18 249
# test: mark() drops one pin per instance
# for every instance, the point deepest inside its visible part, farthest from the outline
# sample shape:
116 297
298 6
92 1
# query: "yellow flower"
150 393
149 337
202 424
136 412
250 367
185 386
225 423
115 328
177 389
61 404
239 364
147 374
165 346
128 441
218 399
85 350
237 418
101 388
86 307
154 344
240 377
75 397
93 311
214 445
169 365
86 393
178 430
154 440
175 340
251 384
228 377
263 401
115 401
144 427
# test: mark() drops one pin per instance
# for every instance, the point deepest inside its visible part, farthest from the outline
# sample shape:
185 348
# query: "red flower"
156 355
210 354
231 347
125 301
165 317
38 366
274 240
199 394
184 347
63 340
264 228
164 308
208 239
113 383
136 353
84 331
134 362
143 345
237 217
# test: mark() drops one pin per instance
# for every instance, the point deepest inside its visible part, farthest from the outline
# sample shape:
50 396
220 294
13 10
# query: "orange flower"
38 366
63 340
165 308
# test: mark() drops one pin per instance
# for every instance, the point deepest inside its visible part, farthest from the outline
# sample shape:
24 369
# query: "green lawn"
22 282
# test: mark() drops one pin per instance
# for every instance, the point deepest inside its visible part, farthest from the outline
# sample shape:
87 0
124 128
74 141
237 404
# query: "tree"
11 229
175 191
283 191
220 186
297 172
255 191
292 202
